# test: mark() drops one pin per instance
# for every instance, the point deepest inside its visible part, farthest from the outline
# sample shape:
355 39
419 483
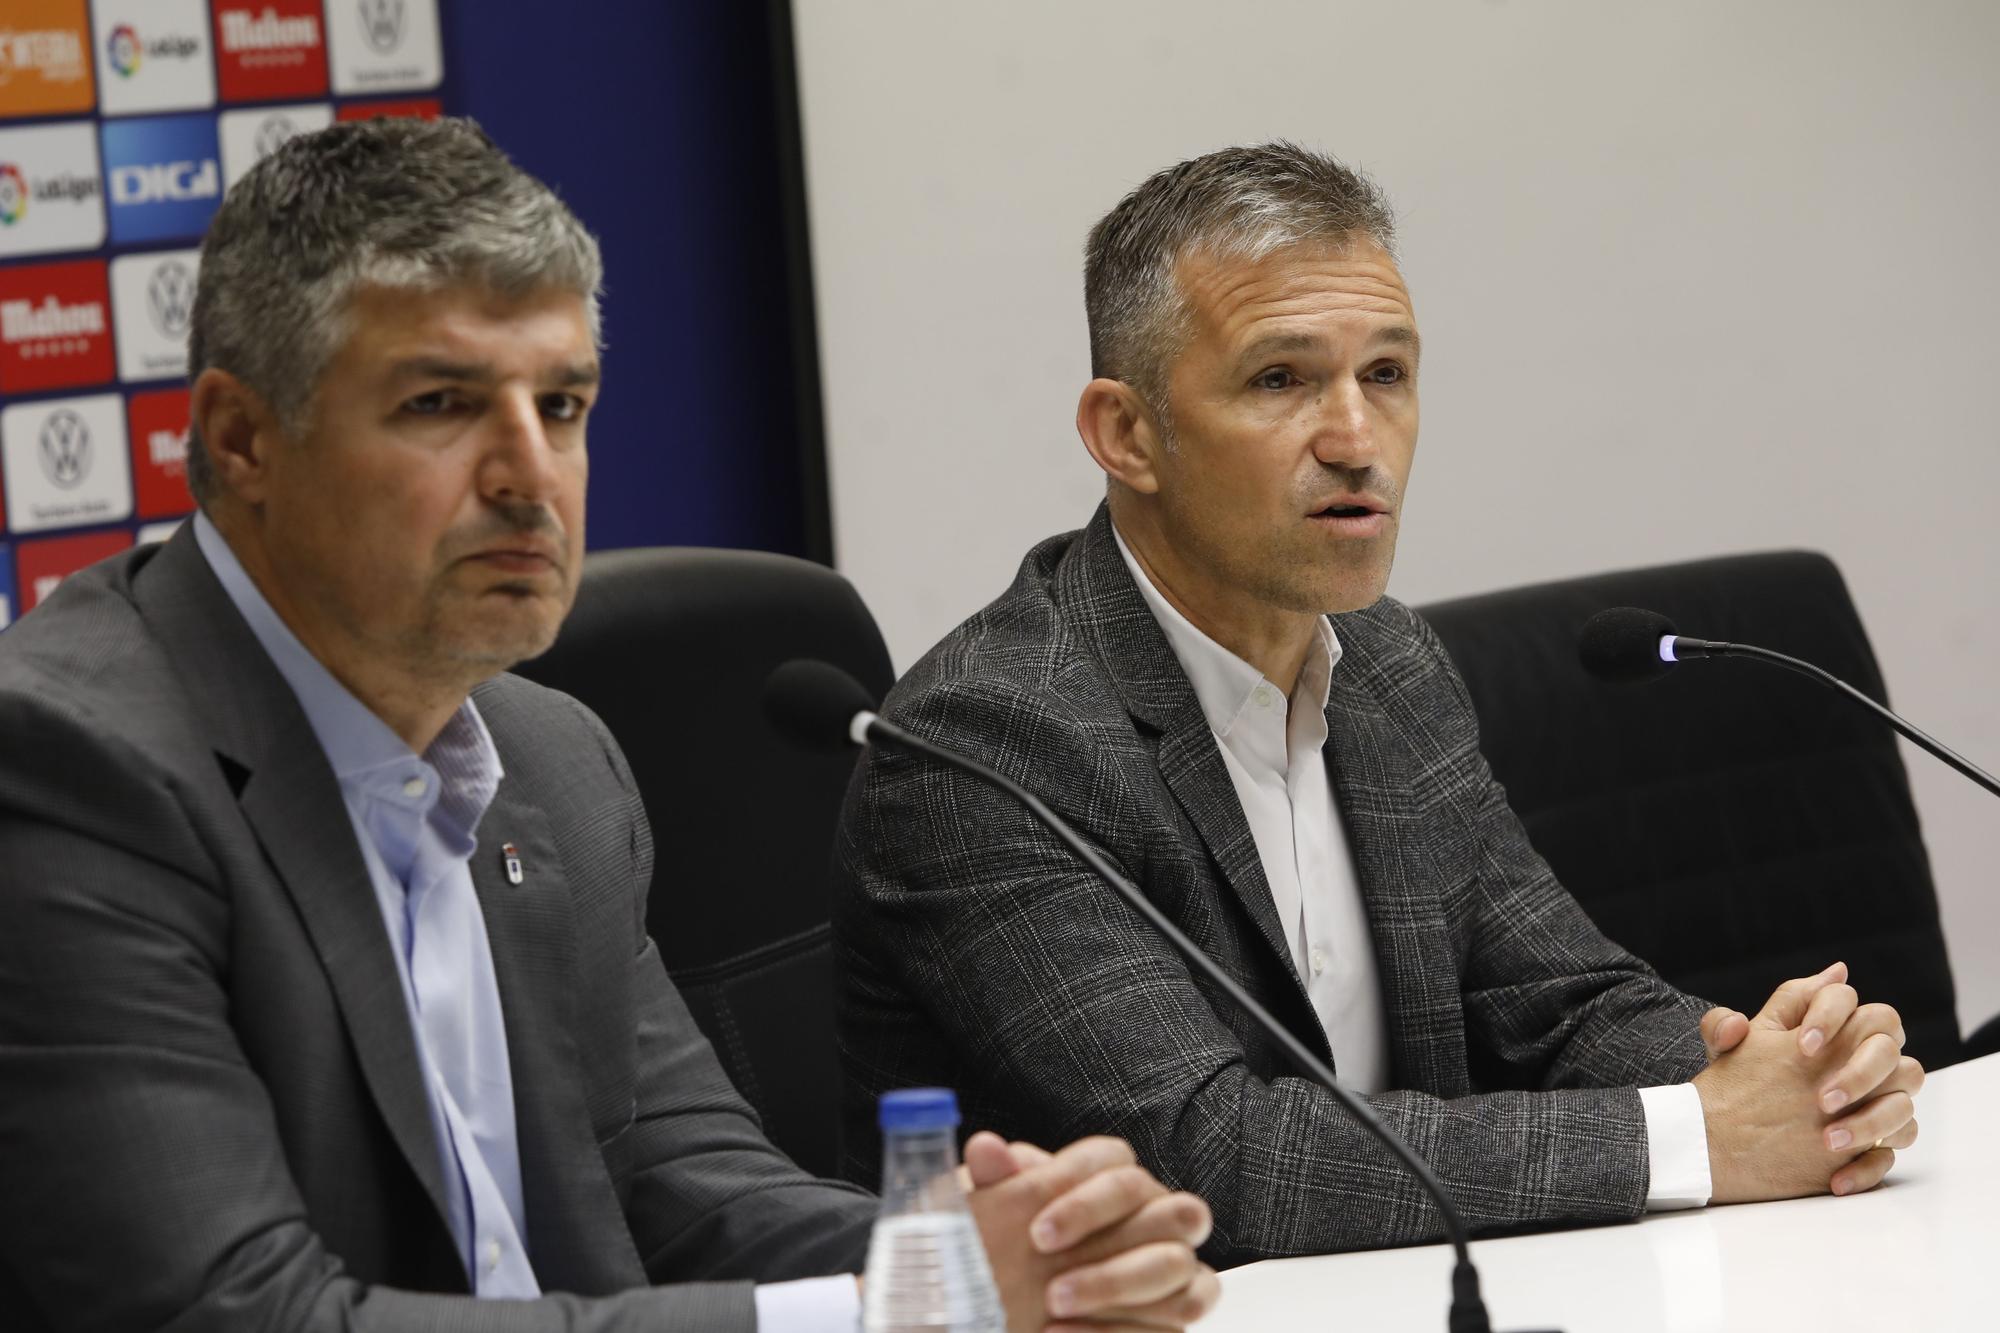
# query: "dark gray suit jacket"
978 953
210 1106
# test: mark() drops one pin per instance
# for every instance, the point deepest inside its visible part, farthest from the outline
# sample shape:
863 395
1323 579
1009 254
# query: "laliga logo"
170 298
382 23
174 182
65 449
123 47
13 194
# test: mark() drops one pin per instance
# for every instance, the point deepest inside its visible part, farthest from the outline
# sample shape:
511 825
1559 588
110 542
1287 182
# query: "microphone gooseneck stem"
1713 648
1468 1310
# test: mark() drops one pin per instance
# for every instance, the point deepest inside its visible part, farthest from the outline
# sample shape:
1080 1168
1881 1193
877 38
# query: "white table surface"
1920 1254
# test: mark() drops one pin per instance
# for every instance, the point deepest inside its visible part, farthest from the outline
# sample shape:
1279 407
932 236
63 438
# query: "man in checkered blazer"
1209 684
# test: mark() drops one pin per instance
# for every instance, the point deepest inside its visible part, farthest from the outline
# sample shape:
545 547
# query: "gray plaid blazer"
979 954
211 1115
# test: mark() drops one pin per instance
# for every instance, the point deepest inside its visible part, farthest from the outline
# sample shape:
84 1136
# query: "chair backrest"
1733 823
671 646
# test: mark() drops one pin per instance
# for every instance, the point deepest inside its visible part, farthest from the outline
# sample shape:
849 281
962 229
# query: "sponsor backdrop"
121 124
670 129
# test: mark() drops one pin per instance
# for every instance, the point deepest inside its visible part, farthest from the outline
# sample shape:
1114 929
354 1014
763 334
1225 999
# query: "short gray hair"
397 202
1238 203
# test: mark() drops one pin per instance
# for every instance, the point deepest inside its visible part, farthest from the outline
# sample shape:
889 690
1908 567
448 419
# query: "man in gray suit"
1208 682
325 995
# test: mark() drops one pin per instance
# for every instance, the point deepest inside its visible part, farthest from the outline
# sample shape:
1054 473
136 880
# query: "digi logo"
165 182
165 176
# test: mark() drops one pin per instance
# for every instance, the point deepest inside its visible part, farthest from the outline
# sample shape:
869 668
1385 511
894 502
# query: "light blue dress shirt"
414 817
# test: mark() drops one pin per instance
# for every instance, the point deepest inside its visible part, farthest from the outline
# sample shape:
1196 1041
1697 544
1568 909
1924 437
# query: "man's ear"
237 430
1118 429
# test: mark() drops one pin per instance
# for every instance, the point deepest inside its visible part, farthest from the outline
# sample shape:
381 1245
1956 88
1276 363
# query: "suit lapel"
294 806
1161 699
1372 772
532 932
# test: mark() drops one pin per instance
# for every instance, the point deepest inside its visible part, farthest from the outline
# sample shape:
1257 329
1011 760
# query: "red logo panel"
417 108
41 565
268 49
159 433
55 326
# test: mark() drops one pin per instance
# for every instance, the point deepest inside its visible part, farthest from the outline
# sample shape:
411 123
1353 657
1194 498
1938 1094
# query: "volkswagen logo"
65 448
273 133
170 298
382 23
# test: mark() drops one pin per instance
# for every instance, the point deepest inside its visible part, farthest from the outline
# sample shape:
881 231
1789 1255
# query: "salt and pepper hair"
1236 204
415 204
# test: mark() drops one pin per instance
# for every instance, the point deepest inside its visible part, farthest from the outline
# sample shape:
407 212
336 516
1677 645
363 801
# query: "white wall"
1693 278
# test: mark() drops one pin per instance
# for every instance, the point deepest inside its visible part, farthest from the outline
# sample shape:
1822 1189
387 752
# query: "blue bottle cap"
919 1109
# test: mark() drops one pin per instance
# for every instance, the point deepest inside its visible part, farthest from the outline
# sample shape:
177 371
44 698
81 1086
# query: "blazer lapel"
1371 768
294 806
1157 693
533 937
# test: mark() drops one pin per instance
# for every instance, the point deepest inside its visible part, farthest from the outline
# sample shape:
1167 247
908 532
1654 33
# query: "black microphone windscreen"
1623 644
813 703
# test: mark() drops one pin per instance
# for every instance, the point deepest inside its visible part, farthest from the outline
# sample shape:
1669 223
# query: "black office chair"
1732 823
670 647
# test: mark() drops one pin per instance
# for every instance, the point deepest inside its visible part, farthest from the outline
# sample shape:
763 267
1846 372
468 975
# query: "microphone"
817 705
1626 644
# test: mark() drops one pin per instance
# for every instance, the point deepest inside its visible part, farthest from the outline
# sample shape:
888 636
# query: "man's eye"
428 404
563 406
1389 373
1275 379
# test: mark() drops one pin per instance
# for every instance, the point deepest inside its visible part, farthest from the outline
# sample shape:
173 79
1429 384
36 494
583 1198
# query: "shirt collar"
1224 683
360 746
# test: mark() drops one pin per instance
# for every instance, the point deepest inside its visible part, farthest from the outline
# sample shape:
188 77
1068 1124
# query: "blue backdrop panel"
661 125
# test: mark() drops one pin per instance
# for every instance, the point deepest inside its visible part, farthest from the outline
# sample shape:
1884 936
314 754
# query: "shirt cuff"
809 1305
1676 1148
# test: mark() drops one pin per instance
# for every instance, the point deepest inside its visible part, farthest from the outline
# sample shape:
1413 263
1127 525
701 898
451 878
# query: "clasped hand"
1087 1239
1812 1095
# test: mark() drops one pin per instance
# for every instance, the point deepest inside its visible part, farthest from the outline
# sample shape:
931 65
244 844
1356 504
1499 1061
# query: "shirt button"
1266 696
492 1255
414 787
1318 961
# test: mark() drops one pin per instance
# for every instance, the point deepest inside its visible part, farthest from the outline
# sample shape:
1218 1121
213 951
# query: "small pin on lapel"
510 856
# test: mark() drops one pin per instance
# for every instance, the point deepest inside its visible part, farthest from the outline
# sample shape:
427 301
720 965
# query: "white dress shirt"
1272 745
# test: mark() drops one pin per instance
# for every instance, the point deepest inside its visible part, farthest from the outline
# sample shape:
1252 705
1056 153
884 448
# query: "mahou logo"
55 322
269 50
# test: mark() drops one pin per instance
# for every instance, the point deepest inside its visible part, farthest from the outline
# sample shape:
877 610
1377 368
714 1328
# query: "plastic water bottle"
927 1269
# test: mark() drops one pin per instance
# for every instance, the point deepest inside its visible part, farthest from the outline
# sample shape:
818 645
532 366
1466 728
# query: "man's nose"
520 463
1344 433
